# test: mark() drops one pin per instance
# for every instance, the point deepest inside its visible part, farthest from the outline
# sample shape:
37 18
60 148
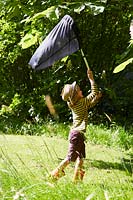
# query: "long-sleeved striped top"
80 109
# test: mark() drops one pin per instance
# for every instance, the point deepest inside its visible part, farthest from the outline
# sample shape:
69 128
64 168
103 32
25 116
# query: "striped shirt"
80 109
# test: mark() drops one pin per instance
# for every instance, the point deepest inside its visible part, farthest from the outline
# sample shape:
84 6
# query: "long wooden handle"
85 60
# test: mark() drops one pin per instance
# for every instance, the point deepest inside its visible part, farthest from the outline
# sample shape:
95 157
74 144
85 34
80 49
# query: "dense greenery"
104 35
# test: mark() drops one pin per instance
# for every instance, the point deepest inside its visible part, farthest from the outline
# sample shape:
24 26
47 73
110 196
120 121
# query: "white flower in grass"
19 195
13 189
106 195
90 196
37 118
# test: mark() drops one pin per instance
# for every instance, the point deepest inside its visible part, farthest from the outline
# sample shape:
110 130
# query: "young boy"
79 106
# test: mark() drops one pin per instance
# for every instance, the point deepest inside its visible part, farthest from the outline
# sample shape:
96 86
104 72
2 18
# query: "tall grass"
26 160
98 134
114 136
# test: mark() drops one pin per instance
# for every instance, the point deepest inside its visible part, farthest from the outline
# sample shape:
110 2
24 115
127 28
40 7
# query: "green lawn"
26 160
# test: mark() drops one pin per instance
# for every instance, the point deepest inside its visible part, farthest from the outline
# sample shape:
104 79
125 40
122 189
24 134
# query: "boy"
79 106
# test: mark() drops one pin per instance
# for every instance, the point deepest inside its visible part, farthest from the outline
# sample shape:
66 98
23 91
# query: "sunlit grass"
26 160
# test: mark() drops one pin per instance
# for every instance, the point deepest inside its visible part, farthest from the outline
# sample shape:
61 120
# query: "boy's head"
71 92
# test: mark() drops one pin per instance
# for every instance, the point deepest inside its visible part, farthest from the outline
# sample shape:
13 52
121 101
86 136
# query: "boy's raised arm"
95 94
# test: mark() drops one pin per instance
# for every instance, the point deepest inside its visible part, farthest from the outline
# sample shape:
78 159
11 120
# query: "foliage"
104 27
123 65
128 54
126 57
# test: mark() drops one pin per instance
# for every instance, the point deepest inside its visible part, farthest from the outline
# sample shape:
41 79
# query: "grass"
26 160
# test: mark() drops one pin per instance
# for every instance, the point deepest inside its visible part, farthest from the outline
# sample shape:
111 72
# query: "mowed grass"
25 162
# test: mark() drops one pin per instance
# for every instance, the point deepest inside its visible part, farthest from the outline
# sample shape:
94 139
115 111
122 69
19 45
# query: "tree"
104 36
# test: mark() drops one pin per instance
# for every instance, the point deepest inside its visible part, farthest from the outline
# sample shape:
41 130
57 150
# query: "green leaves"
33 35
78 8
52 13
126 56
48 13
29 39
122 65
92 8
12 107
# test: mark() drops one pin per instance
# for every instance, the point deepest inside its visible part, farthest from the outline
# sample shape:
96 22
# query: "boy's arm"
94 89
95 95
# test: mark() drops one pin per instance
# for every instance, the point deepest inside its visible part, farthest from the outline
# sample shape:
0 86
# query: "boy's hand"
90 75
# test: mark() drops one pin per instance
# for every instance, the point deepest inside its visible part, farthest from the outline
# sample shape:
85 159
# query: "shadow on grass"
125 165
